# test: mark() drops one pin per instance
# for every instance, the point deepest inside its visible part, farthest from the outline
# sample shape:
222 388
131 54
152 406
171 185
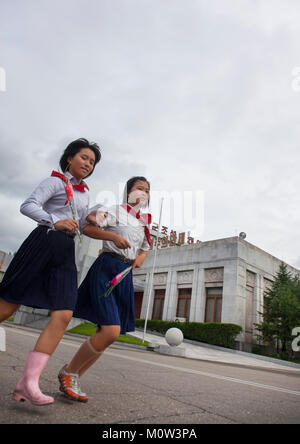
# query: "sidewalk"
207 352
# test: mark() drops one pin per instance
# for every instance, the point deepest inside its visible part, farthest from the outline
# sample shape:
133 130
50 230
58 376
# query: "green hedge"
211 332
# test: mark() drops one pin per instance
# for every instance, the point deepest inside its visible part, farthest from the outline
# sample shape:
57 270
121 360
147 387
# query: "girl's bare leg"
7 309
53 332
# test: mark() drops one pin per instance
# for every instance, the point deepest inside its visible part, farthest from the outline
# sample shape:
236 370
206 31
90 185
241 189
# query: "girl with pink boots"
43 274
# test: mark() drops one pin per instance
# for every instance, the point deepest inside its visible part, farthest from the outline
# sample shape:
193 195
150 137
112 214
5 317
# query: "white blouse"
46 204
121 222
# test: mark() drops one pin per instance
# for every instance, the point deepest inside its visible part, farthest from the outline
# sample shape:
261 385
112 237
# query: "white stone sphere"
174 336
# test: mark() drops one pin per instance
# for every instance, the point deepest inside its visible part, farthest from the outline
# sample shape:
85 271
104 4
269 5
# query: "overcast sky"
196 95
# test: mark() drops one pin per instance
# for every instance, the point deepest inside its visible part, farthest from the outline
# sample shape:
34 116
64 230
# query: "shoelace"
71 381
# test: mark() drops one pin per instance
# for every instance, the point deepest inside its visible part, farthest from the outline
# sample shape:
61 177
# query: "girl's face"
82 164
139 194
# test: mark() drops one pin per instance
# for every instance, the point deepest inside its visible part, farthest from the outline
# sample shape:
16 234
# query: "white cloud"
194 95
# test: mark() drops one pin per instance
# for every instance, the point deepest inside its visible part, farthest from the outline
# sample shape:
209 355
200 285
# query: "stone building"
220 280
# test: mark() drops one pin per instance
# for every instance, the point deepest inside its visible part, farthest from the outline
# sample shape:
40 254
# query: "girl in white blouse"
113 314
43 273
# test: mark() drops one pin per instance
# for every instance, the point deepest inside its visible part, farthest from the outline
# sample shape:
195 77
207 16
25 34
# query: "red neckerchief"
80 187
145 218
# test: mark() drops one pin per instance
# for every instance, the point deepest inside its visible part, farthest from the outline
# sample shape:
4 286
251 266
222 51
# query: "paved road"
133 386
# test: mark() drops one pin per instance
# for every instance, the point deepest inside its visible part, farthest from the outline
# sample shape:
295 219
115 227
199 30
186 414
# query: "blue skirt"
42 273
115 309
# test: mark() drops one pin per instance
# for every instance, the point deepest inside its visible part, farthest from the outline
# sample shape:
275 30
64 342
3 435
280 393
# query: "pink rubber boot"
27 388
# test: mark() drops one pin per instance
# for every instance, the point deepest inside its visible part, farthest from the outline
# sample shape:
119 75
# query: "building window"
138 302
184 303
158 304
249 316
268 284
213 309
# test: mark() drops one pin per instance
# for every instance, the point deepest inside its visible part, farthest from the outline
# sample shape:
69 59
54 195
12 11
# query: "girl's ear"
68 166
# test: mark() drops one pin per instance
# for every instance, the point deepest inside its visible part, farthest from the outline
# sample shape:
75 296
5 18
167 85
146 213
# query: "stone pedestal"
173 351
31 316
38 318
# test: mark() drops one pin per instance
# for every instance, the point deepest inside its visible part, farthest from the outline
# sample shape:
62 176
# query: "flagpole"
150 284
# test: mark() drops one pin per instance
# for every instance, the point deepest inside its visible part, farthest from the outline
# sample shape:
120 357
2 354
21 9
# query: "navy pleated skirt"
115 309
43 273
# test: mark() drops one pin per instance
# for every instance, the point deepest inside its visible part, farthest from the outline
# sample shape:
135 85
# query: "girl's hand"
96 217
100 217
139 260
121 242
68 225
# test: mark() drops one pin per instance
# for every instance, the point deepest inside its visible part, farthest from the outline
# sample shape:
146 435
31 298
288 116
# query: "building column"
229 302
198 295
194 296
145 298
258 303
169 312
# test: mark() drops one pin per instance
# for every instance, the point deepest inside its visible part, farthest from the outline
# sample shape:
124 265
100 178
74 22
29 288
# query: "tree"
281 311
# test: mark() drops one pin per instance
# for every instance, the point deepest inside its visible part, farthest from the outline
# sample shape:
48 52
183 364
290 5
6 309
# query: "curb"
76 335
141 347
236 352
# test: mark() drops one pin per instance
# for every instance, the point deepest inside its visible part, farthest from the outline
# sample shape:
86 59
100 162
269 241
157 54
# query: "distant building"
220 280
5 259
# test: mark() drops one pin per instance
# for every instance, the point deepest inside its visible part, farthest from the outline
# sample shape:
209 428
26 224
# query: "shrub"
211 332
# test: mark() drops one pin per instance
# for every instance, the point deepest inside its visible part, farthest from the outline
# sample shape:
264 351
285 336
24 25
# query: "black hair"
131 182
74 147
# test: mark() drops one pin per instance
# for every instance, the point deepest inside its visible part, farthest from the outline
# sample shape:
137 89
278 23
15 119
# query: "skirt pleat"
42 273
115 309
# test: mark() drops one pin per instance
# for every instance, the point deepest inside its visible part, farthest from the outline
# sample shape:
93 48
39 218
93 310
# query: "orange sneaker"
70 386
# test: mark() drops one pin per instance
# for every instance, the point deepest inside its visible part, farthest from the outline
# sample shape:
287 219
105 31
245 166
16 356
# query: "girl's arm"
97 233
99 218
139 260
32 207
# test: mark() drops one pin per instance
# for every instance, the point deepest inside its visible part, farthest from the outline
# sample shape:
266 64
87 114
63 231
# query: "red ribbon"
145 217
69 187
